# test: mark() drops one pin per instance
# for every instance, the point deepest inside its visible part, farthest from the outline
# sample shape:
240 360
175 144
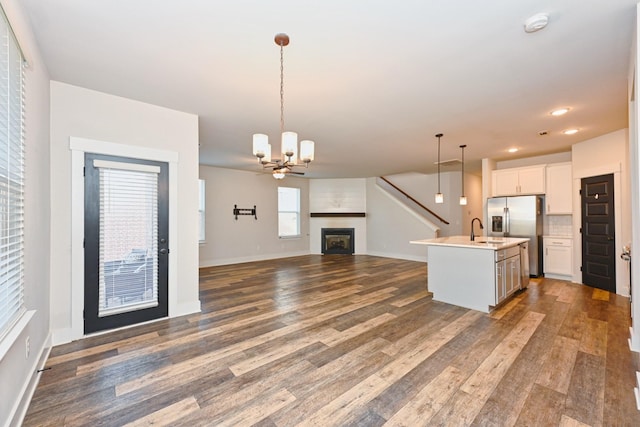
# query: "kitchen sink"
492 241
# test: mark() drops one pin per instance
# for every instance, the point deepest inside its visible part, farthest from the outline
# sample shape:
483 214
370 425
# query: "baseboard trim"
634 345
21 406
405 257
253 258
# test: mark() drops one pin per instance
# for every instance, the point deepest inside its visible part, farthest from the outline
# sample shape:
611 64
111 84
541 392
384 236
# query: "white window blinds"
11 179
128 237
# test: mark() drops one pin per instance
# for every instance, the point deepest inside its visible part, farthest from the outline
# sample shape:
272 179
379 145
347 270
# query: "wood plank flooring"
351 341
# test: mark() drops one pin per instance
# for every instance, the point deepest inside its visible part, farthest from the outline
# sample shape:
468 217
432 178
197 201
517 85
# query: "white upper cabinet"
519 181
559 183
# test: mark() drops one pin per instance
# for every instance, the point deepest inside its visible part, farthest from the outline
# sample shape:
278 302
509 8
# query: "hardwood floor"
351 340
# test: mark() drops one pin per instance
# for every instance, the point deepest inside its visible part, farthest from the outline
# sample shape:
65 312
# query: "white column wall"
116 121
346 195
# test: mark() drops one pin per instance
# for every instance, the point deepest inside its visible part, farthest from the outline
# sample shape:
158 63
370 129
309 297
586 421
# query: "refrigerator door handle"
506 222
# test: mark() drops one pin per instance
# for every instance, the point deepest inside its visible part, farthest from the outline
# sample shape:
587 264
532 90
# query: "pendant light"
439 196
463 198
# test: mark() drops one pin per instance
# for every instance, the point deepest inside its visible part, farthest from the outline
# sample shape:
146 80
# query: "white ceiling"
370 81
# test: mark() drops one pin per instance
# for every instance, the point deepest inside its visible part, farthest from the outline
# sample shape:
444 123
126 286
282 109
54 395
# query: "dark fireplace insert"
338 241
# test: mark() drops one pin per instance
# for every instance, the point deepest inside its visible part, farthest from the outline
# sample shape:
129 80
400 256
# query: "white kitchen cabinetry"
507 272
558 257
517 181
558 194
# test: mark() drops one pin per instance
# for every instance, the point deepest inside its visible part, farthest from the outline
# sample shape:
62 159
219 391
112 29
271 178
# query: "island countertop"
480 242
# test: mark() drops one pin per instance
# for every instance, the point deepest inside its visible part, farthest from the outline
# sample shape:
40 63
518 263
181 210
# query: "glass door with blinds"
126 241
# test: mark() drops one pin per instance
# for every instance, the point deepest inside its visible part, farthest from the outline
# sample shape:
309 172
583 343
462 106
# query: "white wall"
136 127
391 226
230 241
385 231
606 154
424 187
17 372
535 160
475 202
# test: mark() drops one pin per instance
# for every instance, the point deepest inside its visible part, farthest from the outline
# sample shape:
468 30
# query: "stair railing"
414 200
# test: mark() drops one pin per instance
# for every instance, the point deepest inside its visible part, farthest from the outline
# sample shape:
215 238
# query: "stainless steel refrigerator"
519 216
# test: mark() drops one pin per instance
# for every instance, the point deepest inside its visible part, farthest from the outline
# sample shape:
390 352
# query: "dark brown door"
126 241
598 232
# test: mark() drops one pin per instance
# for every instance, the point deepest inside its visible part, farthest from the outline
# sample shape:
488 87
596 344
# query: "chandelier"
289 158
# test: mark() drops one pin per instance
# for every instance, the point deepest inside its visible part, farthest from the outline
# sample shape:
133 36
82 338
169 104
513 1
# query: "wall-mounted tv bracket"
240 211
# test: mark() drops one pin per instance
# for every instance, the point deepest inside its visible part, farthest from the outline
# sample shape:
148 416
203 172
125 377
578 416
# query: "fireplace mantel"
338 214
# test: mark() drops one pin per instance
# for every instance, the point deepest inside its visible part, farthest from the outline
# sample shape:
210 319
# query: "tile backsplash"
558 225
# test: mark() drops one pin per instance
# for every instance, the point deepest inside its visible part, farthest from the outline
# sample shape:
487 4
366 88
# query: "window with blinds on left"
11 179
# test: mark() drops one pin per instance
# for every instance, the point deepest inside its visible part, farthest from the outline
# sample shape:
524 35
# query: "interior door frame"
78 147
616 170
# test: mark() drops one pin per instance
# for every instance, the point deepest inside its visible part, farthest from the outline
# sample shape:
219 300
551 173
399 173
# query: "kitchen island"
478 274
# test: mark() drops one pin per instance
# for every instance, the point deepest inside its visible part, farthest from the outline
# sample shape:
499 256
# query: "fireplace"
338 241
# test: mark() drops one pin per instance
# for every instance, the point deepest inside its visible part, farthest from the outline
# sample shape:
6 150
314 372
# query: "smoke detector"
536 22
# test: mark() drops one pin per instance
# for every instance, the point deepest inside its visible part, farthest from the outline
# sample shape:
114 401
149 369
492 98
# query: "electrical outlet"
27 347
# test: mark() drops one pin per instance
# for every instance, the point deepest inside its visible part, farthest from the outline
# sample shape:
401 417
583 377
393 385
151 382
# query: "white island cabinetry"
507 272
476 274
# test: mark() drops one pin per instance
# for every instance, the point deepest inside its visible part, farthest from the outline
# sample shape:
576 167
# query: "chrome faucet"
473 236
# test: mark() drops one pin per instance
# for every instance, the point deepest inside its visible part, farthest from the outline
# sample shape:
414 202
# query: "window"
288 212
201 215
128 220
11 179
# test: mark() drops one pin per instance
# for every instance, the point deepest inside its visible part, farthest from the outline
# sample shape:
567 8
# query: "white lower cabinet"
507 272
558 257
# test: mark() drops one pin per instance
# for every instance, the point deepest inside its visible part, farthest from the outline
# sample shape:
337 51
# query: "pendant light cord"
281 88
439 135
462 146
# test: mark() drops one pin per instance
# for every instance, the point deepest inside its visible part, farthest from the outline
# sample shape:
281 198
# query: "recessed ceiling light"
512 150
560 111
536 22
570 131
